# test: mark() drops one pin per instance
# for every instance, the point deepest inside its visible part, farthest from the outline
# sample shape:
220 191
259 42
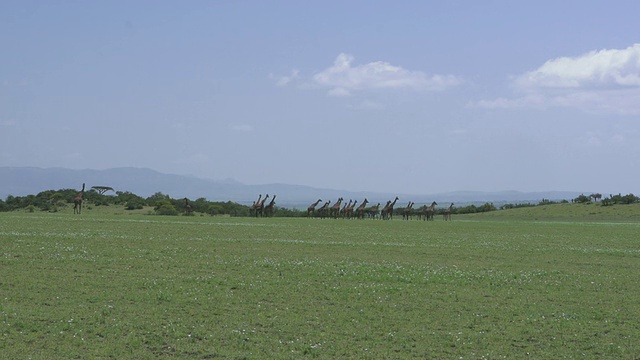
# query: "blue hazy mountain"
22 181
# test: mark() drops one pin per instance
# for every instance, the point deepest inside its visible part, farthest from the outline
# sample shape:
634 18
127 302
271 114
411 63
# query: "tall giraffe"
446 215
373 211
254 207
406 212
349 211
312 208
334 211
431 210
383 213
387 211
260 206
427 211
360 209
270 208
324 210
343 212
187 207
77 201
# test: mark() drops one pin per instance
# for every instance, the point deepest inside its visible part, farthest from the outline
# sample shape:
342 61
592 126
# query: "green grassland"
545 282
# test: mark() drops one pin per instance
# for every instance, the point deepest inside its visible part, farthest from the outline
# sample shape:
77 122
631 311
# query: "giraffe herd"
349 210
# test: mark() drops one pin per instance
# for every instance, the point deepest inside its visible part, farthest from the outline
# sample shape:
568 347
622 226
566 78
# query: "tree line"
163 204
53 200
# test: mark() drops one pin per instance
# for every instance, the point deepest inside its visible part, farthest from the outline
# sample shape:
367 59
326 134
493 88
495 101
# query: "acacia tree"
582 199
102 189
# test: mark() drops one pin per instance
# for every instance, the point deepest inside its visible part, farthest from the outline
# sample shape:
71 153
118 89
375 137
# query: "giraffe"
343 212
373 211
270 208
387 211
427 211
446 215
187 207
77 201
260 206
431 210
383 213
324 210
334 211
406 212
360 209
312 208
253 207
349 211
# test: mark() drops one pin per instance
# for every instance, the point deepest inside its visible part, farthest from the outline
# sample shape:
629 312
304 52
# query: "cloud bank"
596 69
605 81
344 78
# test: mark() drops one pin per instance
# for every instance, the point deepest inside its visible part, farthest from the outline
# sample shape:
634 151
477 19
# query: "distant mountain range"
21 181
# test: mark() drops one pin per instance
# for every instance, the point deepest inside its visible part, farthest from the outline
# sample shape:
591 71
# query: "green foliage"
97 198
157 197
164 207
214 209
102 189
471 209
547 202
515 206
53 200
582 199
127 198
284 212
619 199
134 204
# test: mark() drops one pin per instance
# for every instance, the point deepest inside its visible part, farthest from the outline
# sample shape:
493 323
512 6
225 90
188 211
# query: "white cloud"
343 78
605 81
285 80
620 102
596 69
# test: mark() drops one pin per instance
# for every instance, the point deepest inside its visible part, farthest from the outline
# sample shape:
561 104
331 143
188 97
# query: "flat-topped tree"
102 189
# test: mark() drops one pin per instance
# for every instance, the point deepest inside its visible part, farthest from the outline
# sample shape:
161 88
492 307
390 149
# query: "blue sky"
405 96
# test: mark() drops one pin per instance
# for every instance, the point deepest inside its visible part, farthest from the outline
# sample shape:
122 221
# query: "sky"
418 97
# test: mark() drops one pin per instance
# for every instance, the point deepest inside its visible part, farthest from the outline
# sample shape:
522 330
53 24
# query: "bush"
167 209
134 205
582 199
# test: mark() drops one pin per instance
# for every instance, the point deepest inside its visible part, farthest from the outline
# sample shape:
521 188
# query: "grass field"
109 285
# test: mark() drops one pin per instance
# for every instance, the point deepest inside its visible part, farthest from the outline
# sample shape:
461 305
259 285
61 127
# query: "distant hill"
22 181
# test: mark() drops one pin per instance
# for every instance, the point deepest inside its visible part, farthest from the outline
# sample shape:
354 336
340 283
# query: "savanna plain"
552 282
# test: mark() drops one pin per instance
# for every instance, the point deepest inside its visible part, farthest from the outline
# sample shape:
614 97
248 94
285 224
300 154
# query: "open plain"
556 281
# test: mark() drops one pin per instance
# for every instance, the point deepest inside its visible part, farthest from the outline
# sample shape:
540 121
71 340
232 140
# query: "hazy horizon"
414 97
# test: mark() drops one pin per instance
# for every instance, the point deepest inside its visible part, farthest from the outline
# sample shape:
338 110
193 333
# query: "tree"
157 197
102 189
595 197
164 207
582 199
128 197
